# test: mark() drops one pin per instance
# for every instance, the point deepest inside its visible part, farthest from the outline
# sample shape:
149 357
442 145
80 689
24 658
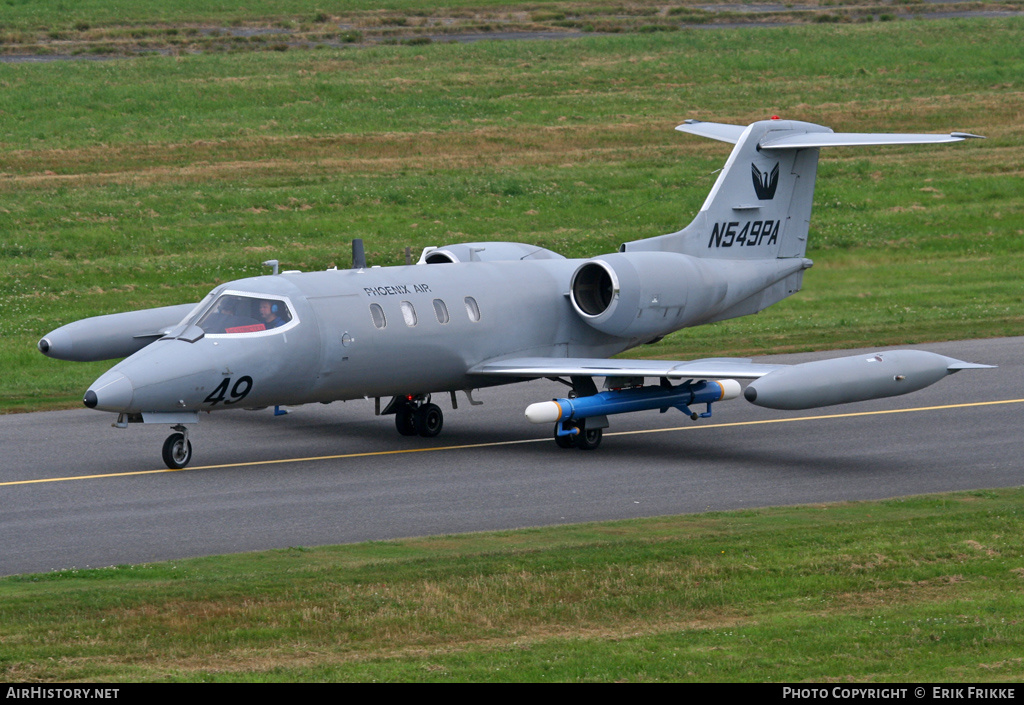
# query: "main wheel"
429 420
404 421
589 439
177 451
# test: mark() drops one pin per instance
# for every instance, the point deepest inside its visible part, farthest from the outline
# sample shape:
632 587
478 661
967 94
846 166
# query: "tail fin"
760 206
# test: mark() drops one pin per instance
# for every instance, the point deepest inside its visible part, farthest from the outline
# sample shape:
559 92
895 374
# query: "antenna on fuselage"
358 254
272 263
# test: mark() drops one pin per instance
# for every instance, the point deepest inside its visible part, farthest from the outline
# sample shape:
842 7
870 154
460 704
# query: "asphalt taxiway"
78 493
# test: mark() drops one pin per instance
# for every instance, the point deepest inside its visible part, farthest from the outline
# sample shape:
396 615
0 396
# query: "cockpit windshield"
237 313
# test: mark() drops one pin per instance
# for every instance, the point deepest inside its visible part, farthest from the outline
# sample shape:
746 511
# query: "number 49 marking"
238 391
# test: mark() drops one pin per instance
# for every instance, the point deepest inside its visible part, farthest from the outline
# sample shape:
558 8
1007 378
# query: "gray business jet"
480 314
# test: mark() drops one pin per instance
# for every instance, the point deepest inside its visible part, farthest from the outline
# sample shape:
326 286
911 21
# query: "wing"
533 367
805 385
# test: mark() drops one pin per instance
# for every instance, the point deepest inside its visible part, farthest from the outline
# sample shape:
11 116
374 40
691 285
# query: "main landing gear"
416 416
586 433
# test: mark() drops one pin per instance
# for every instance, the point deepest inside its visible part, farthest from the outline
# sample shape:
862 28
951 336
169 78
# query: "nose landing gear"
177 451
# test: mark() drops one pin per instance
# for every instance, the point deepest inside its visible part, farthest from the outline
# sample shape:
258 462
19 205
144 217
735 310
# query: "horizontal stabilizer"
786 138
858 139
713 130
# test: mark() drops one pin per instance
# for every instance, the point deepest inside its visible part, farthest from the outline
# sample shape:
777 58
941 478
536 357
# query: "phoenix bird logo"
765 183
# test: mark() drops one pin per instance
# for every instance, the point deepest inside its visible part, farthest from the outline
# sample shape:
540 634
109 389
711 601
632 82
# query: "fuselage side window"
472 309
377 314
409 314
441 311
233 313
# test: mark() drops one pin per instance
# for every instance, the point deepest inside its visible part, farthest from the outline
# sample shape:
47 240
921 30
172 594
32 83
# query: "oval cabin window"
472 309
409 314
377 314
441 311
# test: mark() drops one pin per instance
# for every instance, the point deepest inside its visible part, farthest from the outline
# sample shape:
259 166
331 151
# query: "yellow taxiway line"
508 443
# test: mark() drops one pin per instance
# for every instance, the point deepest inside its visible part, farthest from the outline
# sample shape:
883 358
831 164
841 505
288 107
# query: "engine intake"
594 288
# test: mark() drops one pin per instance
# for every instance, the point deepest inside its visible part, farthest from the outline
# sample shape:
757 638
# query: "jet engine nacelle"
112 336
644 294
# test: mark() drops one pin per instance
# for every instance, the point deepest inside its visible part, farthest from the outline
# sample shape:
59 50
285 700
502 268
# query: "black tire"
429 420
404 422
177 451
589 439
564 441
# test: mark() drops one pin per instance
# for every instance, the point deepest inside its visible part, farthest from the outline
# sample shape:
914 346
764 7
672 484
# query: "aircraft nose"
111 392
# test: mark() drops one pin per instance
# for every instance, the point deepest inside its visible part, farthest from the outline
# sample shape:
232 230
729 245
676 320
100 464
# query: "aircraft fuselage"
359 333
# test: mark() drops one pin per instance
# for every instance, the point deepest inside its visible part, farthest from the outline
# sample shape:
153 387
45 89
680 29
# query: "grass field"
923 589
146 181
121 28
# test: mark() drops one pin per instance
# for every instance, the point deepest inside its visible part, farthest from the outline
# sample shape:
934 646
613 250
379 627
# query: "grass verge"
905 590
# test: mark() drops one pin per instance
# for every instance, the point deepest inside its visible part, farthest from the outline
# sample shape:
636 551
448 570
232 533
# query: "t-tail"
760 205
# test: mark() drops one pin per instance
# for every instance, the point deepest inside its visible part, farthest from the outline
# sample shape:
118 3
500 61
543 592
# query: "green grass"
28 14
923 589
144 182
115 27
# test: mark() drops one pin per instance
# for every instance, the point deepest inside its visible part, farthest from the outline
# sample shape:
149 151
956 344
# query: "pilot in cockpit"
268 314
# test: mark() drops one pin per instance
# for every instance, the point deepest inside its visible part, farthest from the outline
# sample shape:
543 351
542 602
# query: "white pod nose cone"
730 388
544 412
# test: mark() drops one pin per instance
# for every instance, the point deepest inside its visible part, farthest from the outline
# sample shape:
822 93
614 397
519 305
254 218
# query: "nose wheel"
177 451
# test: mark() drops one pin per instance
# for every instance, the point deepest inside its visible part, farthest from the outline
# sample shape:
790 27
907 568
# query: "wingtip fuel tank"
849 379
112 336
